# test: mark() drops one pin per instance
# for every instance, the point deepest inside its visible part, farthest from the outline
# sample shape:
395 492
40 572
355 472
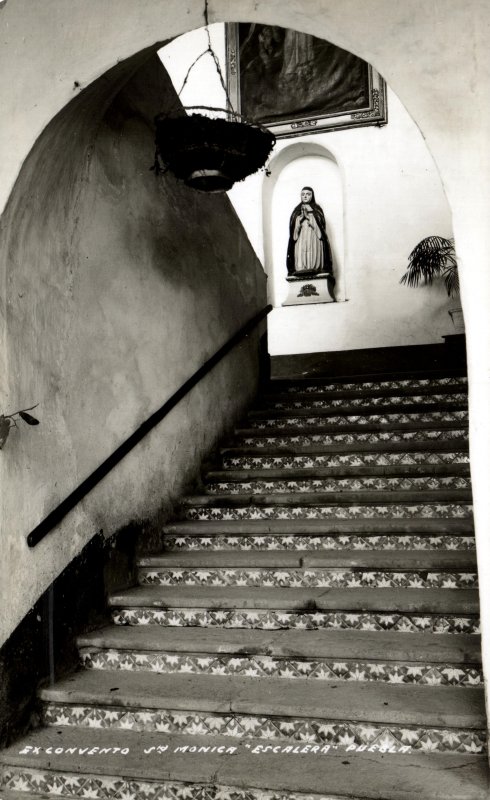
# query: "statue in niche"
309 252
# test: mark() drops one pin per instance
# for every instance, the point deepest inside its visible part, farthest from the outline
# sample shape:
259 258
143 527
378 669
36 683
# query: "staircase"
310 631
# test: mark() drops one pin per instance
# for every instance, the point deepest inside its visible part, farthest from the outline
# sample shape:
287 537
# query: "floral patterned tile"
317 731
260 619
319 542
305 440
67 785
388 511
400 384
257 666
387 418
355 402
354 484
296 578
377 459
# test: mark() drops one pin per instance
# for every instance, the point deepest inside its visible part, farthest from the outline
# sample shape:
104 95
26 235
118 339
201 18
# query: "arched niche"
301 164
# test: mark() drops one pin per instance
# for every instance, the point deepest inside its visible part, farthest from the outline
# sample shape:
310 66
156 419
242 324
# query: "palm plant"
433 257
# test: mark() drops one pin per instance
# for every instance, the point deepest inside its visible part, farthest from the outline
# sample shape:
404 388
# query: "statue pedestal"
312 288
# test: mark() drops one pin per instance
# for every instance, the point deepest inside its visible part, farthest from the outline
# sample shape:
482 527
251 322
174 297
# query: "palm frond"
433 257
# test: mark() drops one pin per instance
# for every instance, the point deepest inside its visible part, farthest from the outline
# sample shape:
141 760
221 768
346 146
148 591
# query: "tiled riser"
394 400
54 784
421 511
357 419
415 383
340 484
270 728
343 460
266 666
304 440
280 620
324 542
294 578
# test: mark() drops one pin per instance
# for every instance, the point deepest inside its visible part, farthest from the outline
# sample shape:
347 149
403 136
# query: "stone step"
364 405
437 471
302 644
340 507
327 497
318 423
436 717
321 535
429 454
320 655
254 486
306 599
253 772
413 407
404 610
452 437
374 526
430 450
367 386
464 561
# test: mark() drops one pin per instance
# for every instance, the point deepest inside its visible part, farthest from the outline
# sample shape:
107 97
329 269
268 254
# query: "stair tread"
426 446
367 391
375 776
317 429
433 560
370 702
346 497
311 473
305 599
358 410
343 644
297 526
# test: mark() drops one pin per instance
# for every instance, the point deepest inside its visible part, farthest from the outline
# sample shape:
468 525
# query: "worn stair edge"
378 390
356 470
437 706
426 446
427 560
384 497
317 429
278 413
346 644
295 776
367 527
430 601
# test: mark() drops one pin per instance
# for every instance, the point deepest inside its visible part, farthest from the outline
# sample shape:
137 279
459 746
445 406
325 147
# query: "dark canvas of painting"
283 78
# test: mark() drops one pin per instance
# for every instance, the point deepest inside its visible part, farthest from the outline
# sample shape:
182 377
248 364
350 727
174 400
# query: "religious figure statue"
309 252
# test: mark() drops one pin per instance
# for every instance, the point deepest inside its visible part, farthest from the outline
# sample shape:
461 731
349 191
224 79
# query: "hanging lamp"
210 154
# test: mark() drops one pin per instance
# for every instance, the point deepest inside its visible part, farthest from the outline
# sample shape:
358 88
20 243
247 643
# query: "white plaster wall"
435 57
392 197
379 185
120 285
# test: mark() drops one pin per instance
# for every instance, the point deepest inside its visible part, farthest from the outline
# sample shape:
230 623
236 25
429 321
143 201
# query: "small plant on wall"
8 421
433 257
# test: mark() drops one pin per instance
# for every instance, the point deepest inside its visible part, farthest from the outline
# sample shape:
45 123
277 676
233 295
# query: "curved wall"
119 286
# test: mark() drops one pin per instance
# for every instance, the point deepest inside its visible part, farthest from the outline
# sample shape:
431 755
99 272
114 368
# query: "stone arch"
405 42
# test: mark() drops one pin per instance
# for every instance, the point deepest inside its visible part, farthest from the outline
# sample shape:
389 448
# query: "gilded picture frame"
295 83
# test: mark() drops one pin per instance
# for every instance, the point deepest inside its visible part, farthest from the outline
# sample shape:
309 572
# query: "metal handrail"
54 517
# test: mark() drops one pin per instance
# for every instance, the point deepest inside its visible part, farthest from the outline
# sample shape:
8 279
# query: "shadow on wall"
305 164
119 287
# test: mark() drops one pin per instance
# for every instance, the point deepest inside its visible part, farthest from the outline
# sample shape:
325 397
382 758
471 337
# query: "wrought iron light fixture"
210 154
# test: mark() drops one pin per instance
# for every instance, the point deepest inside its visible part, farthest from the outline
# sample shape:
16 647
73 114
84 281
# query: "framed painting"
295 83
